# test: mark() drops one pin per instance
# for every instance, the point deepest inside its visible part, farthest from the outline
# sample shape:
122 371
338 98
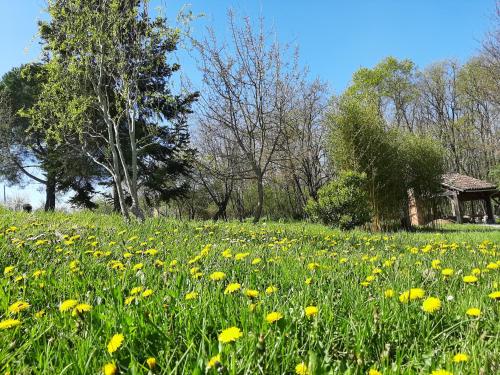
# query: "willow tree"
109 58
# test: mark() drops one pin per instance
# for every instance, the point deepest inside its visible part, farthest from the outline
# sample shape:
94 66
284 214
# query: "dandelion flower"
494 295
9 323
447 272
230 335
389 293
311 311
110 369
231 288
473 311
147 293
431 304
217 276
460 357
136 290
412 294
18 306
115 343
151 362
138 266
271 289
273 317
214 361
374 372
191 295
301 369
492 266
81 308
441 372
469 279
252 293
67 305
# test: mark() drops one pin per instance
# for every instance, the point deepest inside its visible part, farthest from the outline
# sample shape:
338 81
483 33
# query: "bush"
342 202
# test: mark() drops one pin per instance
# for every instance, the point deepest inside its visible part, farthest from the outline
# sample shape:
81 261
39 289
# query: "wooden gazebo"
458 188
461 188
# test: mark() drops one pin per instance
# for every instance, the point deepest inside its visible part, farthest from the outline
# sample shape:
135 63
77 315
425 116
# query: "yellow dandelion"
256 261
81 308
214 361
436 264
138 266
191 295
252 293
447 272
217 276
431 305
230 335
232 287
374 372
9 323
412 294
311 311
115 343
18 306
271 289
441 372
460 357
495 295
473 311
110 369
67 305
389 293
241 256
273 317
151 362
129 300
492 266
301 369
469 279
147 293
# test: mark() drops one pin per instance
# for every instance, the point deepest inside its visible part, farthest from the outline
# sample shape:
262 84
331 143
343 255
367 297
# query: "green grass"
356 329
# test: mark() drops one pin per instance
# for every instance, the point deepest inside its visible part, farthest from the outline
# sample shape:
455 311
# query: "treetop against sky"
335 37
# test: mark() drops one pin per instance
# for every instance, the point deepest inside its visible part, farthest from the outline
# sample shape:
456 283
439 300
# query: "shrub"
342 202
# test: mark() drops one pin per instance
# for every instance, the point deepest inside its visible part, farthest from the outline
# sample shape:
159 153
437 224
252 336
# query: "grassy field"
87 294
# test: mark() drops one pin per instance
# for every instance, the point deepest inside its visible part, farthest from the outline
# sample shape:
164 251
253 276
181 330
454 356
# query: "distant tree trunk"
50 192
260 199
116 199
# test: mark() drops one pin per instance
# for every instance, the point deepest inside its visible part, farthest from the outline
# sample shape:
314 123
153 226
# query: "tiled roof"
465 183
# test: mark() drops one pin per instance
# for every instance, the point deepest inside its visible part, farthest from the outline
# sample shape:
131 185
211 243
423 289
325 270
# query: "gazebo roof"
463 183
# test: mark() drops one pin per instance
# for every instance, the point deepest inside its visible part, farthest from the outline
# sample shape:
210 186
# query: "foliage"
342 202
26 154
151 283
109 85
395 161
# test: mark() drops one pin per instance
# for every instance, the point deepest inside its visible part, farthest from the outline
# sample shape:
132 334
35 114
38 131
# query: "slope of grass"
152 283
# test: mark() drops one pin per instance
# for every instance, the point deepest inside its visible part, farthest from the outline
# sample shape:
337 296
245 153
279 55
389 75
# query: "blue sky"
336 37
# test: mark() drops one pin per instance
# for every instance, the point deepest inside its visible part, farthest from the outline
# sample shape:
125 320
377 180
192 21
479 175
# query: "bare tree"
249 88
303 155
219 164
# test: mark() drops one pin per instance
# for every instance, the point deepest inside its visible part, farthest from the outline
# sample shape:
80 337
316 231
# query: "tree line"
99 117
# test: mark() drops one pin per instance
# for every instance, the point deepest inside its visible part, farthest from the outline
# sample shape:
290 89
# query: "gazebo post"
456 207
489 210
